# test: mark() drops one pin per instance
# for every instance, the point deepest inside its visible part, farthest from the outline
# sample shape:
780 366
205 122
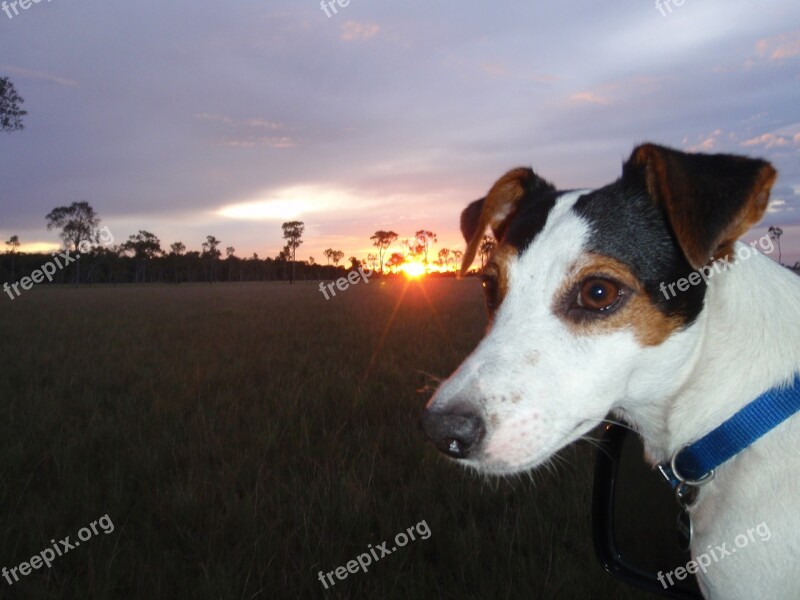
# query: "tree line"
142 258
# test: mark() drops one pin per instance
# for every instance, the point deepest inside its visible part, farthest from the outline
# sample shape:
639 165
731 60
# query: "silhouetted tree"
444 256
382 240
485 249
457 256
10 112
145 246
212 253
78 223
292 233
12 244
425 239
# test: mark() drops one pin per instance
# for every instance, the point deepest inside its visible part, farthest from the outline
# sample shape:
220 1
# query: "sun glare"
413 269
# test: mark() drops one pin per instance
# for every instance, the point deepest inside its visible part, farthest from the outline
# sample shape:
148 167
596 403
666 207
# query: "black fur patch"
530 219
625 225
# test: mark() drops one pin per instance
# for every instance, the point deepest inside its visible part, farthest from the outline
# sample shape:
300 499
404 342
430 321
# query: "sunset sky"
188 118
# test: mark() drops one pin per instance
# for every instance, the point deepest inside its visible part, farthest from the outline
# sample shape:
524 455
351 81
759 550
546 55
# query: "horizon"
186 120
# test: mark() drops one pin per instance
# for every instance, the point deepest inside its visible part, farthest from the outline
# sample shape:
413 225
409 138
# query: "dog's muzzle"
457 432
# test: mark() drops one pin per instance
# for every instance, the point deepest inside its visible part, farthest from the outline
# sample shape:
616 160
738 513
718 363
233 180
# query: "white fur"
540 387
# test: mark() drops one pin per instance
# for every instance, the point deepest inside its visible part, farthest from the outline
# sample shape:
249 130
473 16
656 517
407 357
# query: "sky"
194 118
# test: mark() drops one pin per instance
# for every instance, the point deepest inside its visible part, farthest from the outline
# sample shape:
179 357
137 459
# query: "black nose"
456 432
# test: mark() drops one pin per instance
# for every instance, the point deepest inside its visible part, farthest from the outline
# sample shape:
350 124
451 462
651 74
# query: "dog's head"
580 324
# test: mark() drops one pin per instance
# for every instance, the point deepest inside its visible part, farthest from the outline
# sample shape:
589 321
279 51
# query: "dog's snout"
456 432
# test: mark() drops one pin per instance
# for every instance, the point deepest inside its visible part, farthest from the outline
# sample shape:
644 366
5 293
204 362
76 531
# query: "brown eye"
599 294
489 283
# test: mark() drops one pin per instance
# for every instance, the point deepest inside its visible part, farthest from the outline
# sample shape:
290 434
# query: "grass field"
243 438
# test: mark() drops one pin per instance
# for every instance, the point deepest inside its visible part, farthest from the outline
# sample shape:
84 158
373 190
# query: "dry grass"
244 437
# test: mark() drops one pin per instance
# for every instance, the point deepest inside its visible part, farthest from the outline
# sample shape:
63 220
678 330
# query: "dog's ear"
497 208
710 200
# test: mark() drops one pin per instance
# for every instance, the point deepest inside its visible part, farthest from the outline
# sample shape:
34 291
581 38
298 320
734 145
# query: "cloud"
247 133
707 142
589 98
610 93
771 140
259 140
353 30
29 74
779 47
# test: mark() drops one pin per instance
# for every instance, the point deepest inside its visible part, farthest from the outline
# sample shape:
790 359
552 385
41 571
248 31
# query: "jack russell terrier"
581 328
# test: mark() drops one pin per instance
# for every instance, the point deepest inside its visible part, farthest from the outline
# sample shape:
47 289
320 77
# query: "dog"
581 329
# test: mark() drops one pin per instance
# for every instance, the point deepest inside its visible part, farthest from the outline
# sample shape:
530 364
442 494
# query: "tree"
333 256
10 112
425 239
382 240
413 249
395 261
145 246
12 244
283 256
444 256
775 233
78 223
372 260
176 250
486 247
354 263
211 253
292 233
457 255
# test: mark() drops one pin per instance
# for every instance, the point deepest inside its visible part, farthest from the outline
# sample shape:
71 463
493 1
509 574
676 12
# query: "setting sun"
413 269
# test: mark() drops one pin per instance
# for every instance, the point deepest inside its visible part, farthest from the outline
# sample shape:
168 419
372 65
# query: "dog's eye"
599 294
489 283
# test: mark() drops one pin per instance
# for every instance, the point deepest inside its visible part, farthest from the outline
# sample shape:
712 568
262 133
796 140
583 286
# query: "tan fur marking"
650 326
751 213
498 264
498 207
672 188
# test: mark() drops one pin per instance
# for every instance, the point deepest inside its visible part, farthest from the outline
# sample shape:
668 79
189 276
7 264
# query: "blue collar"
695 464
